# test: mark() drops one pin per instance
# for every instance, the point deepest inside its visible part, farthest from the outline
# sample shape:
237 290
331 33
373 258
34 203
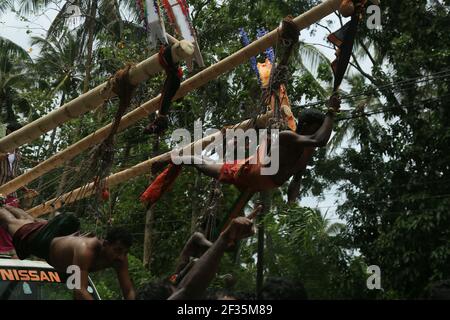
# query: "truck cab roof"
35 280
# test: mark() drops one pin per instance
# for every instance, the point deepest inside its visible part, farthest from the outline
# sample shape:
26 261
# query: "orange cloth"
163 183
247 176
285 107
264 70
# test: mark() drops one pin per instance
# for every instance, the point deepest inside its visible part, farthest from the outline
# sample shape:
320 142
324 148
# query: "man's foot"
159 166
335 102
289 30
158 126
347 8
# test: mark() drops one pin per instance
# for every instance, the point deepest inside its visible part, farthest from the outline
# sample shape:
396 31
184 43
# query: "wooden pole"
200 79
122 176
89 100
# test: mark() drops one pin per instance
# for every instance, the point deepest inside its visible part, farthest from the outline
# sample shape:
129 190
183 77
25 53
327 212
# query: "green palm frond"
110 15
59 60
335 228
5 5
12 50
32 6
312 58
61 20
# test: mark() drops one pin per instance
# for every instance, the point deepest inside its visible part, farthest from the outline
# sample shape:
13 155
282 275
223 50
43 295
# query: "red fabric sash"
163 183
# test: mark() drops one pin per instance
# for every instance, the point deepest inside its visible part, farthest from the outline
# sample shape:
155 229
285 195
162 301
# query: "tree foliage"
390 169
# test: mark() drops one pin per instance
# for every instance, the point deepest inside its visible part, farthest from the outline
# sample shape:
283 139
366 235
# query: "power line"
408 82
444 196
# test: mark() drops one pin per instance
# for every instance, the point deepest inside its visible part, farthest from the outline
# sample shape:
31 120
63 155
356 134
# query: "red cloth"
229 171
161 184
12 201
6 242
23 238
246 176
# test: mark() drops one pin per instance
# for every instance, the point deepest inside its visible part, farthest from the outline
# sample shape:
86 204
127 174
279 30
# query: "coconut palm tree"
314 229
59 61
4 5
14 77
95 16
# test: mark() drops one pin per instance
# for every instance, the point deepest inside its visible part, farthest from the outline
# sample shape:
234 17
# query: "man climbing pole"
59 243
273 84
193 277
294 149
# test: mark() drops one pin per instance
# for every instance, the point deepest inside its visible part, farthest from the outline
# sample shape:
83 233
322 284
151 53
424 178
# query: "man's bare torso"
64 249
290 156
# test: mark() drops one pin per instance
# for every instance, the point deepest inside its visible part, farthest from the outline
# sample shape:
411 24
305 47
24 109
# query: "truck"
35 280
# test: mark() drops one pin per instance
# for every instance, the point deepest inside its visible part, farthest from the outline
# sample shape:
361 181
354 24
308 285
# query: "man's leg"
11 223
204 165
19 213
194 247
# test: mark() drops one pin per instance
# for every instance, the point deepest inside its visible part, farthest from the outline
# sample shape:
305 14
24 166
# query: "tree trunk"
266 201
90 27
149 222
195 203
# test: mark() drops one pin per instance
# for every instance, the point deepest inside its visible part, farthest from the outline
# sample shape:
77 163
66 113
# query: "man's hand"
258 209
335 103
30 193
239 228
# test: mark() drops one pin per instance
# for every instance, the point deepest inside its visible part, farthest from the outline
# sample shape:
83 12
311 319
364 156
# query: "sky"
21 29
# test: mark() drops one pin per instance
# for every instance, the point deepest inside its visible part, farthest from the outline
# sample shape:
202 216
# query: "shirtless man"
295 150
193 278
57 241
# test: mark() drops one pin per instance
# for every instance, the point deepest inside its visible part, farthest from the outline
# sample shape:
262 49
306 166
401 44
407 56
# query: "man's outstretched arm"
200 276
322 135
194 247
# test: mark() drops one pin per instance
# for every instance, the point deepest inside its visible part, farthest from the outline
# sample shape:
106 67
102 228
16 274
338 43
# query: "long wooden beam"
89 100
306 19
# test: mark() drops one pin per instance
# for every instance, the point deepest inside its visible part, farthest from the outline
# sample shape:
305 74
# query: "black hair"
277 288
117 234
156 290
439 290
309 116
13 126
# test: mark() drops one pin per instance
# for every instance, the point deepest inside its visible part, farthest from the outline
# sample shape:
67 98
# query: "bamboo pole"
125 175
200 79
89 100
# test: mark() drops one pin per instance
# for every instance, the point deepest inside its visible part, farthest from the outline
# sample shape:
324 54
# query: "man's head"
283 289
156 290
13 126
116 244
439 290
309 121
